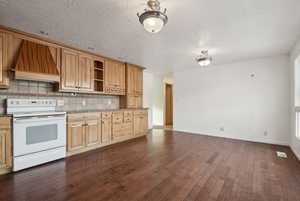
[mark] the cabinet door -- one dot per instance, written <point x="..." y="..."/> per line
<point x="121" y="75"/>
<point x="110" y="71"/>
<point x="144" y="124"/>
<point x="86" y="73"/>
<point x="69" y="70"/>
<point x="138" y="81"/>
<point x="115" y="77"/>
<point x="130" y="79"/>
<point x="5" y="148"/>
<point x="106" y="129"/>
<point x="3" y="61"/>
<point x="92" y="132"/>
<point x="137" y="125"/>
<point x="116" y="131"/>
<point x="76" y="135"/>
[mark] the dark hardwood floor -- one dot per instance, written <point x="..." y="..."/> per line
<point x="164" y="166"/>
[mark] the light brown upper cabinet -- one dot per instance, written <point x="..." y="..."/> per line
<point x="74" y="70"/>
<point x="139" y="81"/>
<point x="77" y="71"/>
<point x="114" y="80"/>
<point x="86" y="73"/>
<point x="4" y="81"/>
<point x="69" y="70"/>
<point x="134" y="86"/>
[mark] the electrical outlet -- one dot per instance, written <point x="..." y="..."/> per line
<point x="281" y="154"/>
<point x="109" y="102"/>
<point x="83" y="103"/>
<point x="266" y="133"/>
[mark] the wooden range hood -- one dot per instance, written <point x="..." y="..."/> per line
<point x="35" y="62"/>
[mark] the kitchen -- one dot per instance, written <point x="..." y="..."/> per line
<point x="57" y="101"/>
<point x="149" y="100"/>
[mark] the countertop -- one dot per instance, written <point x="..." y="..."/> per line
<point x="5" y="115"/>
<point x="103" y="110"/>
<point x="87" y="111"/>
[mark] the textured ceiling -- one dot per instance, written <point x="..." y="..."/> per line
<point x="231" y="30"/>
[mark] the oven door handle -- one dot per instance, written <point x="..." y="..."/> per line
<point x="39" y="118"/>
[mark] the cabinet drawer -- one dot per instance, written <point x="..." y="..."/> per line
<point x="128" y="119"/>
<point x="117" y="117"/>
<point x="5" y="122"/>
<point x="92" y="115"/>
<point x="106" y="115"/>
<point x="140" y="112"/>
<point x="127" y="113"/>
<point x="75" y="117"/>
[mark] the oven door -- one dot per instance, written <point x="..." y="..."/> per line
<point x="35" y="134"/>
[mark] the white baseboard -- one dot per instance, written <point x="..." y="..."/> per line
<point x="266" y="141"/>
<point x="297" y="153"/>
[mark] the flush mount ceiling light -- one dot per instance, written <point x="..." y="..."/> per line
<point x="153" y="19"/>
<point x="204" y="59"/>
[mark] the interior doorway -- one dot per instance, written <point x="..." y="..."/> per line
<point x="169" y="105"/>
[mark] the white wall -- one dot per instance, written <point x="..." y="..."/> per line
<point x="153" y="98"/>
<point x="294" y="61"/>
<point x="207" y="99"/>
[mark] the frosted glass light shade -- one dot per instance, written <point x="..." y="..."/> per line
<point x="204" y="62"/>
<point x="153" y="24"/>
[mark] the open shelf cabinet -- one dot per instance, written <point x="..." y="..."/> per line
<point x="99" y="75"/>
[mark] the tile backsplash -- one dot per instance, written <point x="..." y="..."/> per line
<point x="43" y="90"/>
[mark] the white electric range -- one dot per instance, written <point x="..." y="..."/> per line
<point x="39" y="132"/>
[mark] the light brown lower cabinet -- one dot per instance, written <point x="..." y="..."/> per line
<point x="5" y="143"/>
<point x="140" y="123"/>
<point x="106" y="127"/>
<point x="122" y="127"/>
<point x="84" y="130"/>
<point x="103" y="128"/>
<point x="76" y="135"/>
<point x="92" y="132"/>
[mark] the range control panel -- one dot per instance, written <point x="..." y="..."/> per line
<point x="31" y="103"/>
